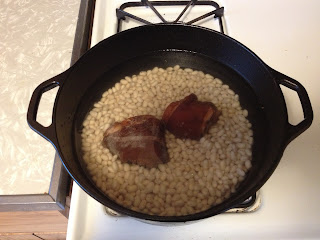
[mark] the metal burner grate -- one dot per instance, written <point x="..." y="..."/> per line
<point x="217" y="12"/>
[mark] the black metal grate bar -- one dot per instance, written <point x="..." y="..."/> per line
<point x="184" y="10"/>
<point x="217" y="13"/>
<point x="154" y="10"/>
<point x="122" y="14"/>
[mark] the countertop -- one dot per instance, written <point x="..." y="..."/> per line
<point x="36" y="39"/>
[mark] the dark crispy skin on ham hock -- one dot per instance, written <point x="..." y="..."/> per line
<point x="138" y="140"/>
<point x="190" y="118"/>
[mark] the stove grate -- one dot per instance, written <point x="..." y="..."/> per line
<point x="122" y="14"/>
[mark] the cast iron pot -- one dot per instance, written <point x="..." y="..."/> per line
<point x="143" y="48"/>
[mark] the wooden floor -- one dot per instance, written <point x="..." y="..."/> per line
<point x="51" y="225"/>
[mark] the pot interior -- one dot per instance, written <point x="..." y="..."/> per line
<point x="195" y="61"/>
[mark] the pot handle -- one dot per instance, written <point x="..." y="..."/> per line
<point x="295" y="130"/>
<point x="46" y="132"/>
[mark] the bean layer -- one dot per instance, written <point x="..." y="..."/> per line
<point x="200" y="174"/>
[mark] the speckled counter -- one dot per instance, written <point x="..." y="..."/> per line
<point x="36" y="39"/>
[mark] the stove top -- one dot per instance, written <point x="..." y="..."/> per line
<point x="287" y="42"/>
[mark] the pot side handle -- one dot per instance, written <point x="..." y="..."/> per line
<point x="46" y="132"/>
<point x="295" y="130"/>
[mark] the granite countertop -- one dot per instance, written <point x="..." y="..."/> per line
<point x="36" y="39"/>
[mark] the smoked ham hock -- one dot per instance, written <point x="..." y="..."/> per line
<point x="190" y="118"/>
<point x="138" y="140"/>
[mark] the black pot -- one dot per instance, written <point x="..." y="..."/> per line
<point x="142" y="48"/>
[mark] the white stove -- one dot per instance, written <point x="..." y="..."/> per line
<point x="286" y="36"/>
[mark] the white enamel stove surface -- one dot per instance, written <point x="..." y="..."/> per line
<point x="286" y="35"/>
